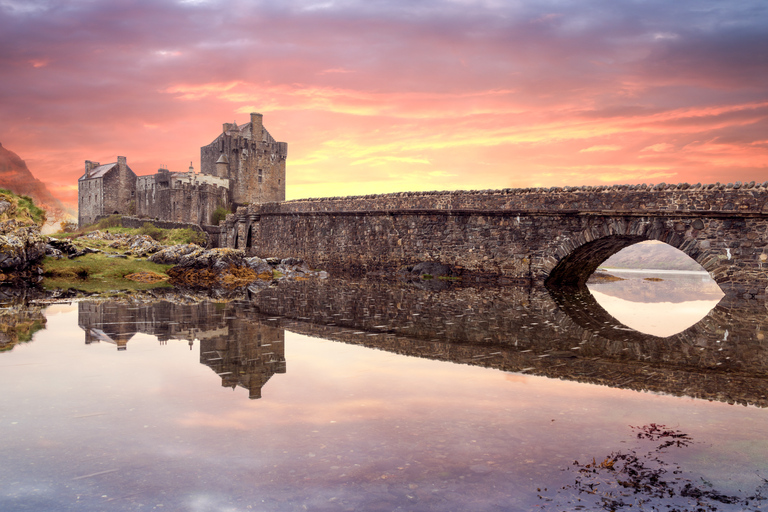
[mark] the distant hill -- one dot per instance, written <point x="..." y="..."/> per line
<point x="651" y="255"/>
<point x="16" y="177"/>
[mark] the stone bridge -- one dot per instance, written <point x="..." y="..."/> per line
<point x="557" y="235"/>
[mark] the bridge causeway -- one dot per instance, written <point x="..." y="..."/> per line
<point x="554" y="235"/>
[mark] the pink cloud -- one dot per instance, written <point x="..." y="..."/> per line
<point x="376" y="97"/>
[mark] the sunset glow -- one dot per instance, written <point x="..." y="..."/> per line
<point x="377" y="97"/>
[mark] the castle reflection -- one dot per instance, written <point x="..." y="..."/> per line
<point x="723" y="357"/>
<point x="242" y="350"/>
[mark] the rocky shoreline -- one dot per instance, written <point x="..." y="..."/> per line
<point x="22" y="246"/>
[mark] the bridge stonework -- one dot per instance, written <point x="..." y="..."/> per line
<point x="558" y="235"/>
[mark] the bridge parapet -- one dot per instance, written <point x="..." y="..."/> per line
<point x="736" y="197"/>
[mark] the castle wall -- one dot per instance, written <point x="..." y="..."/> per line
<point x="120" y="189"/>
<point x="180" y="197"/>
<point x="90" y="199"/>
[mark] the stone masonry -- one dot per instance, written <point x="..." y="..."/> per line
<point x="558" y="235"/>
<point x="251" y="159"/>
<point x="105" y="189"/>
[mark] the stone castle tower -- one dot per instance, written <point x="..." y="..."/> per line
<point x="243" y="165"/>
<point x="104" y="190"/>
<point x="251" y="159"/>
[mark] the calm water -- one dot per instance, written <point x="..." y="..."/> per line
<point x="336" y="396"/>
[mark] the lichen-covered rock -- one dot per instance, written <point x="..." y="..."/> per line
<point x="53" y="252"/>
<point x="173" y="254"/>
<point x="217" y="259"/>
<point x="21" y="248"/>
<point x="64" y="245"/>
<point x="259" y="265"/>
<point x="144" y="245"/>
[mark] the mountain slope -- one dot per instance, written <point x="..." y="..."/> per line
<point x="16" y="177"/>
<point x="651" y="255"/>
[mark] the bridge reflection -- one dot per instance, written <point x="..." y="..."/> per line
<point x="569" y="336"/>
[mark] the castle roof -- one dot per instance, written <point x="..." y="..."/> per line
<point x="98" y="172"/>
<point x="222" y="159"/>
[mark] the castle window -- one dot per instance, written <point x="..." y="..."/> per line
<point x="259" y="175"/>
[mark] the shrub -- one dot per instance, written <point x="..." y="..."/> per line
<point x="113" y="221"/>
<point x="185" y="236"/>
<point x="218" y="215"/>
<point x="67" y="226"/>
<point x="152" y="231"/>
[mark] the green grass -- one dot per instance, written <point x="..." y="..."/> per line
<point x="26" y="335"/>
<point x="164" y="236"/>
<point x="97" y="273"/>
<point x="24" y="208"/>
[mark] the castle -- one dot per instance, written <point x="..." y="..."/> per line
<point x="243" y="165"/>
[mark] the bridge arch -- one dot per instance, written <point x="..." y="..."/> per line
<point x="575" y="258"/>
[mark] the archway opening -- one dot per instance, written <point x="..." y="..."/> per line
<point x="654" y="288"/>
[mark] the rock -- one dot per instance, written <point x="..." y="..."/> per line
<point x="53" y="252"/>
<point x="173" y="254"/>
<point x="20" y="249"/>
<point x="64" y="245"/>
<point x="83" y="252"/>
<point x="432" y="268"/>
<point x="144" y="245"/>
<point x="218" y="259"/>
<point x="259" y="265"/>
<point x="293" y="262"/>
<point x="273" y="261"/>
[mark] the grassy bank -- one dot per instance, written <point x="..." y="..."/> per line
<point x="96" y="273"/>
<point x="112" y="224"/>
<point x="22" y="209"/>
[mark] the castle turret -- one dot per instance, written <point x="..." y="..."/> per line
<point x="222" y="166"/>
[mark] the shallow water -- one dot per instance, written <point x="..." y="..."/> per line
<point x="125" y="407"/>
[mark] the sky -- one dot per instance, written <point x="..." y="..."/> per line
<point x="378" y="96"/>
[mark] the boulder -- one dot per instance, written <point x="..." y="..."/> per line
<point x="173" y="254"/>
<point x="432" y="268"/>
<point x="64" y="245"/>
<point x="259" y="265"/>
<point x="20" y="249"/>
<point x="144" y="245"/>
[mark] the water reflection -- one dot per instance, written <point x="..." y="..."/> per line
<point x="243" y="350"/>
<point x="348" y="428"/>
<point x="661" y="303"/>
<point x="569" y="336"/>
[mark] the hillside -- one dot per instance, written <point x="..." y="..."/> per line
<point x="16" y="177"/>
<point x="651" y="255"/>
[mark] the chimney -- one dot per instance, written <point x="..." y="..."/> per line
<point x="257" y="126"/>
<point x="89" y="166"/>
<point x="121" y="165"/>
